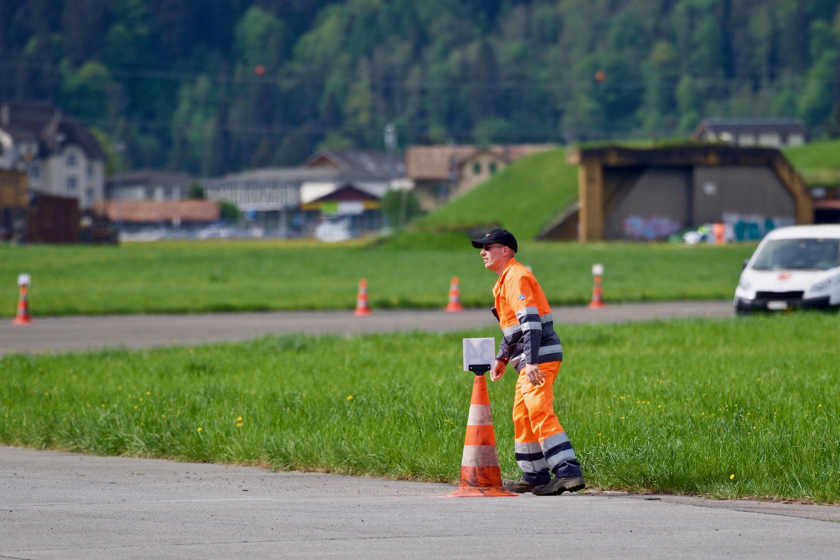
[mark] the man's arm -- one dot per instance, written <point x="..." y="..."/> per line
<point x="525" y="306"/>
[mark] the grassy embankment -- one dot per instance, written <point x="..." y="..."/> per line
<point x="817" y="162"/>
<point x="524" y="197"/>
<point x="734" y="408"/>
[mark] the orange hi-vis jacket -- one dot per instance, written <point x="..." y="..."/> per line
<point x="525" y="319"/>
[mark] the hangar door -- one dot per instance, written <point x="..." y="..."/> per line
<point x="654" y="206"/>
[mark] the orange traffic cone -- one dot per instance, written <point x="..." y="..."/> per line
<point x="23" y="317"/>
<point x="362" y="307"/>
<point x="454" y="304"/>
<point x="597" y="296"/>
<point x="480" y="473"/>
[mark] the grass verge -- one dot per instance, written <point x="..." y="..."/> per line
<point x="410" y="272"/>
<point x="733" y="408"/>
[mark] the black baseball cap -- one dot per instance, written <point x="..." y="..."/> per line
<point x="502" y="236"/>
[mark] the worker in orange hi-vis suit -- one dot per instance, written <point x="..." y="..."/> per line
<point x="531" y="346"/>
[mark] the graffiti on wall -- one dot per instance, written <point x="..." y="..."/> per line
<point x="649" y="227"/>
<point x="753" y="227"/>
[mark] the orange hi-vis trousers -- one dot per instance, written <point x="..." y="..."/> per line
<point x="541" y="444"/>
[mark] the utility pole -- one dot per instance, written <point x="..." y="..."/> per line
<point x="390" y="146"/>
<point x="118" y="148"/>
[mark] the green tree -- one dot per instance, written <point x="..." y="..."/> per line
<point x="400" y="207"/>
<point x="196" y="192"/>
<point x="85" y="92"/>
<point x="229" y="212"/>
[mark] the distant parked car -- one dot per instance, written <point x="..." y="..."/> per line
<point x="792" y="268"/>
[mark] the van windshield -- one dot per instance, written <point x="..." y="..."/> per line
<point x="799" y="254"/>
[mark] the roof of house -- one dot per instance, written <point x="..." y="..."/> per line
<point x="749" y="126"/>
<point x="150" y="177"/>
<point x="155" y="211"/>
<point x="346" y="193"/>
<point x="438" y="162"/>
<point x="286" y="174"/>
<point x="360" y="165"/>
<point x="47" y="125"/>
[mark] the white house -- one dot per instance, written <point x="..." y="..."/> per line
<point x="60" y="156"/>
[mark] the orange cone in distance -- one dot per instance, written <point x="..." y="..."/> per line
<point x="597" y="295"/>
<point x="454" y="304"/>
<point x="362" y="307"/>
<point x="22" y="317"/>
<point x="480" y="473"/>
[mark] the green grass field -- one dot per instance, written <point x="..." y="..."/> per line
<point x="730" y="408"/>
<point x="412" y="271"/>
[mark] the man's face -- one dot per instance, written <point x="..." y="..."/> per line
<point x="492" y="255"/>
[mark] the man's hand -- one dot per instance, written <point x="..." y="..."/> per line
<point x="498" y="370"/>
<point x="534" y="374"/>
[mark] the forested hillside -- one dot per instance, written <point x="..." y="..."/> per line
<point x="217" y="86"/>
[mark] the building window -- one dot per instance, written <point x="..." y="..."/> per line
<point x="90" y="171"/>
<point x="71" y="160"/>
<point x="442" y="190"/>
<point x="477" y="167"/>
<point x="72" y="184"/>
<point x="35" y="171"/>
<point x="492" y="167"/>
<point x="89" y="197"/>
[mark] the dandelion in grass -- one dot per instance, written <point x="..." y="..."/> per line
<point x="349" y="397"/>
<point x="732" y="476"/>
<point x="239" y="419"/>
<point x="200" y="429"/>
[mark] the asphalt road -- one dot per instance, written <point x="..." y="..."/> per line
<point x="61" y="505"/>
<point x="61" y="334"/>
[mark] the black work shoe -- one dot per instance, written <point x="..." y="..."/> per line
<point x="559" y="485"/>
<point x="519" y="486"/>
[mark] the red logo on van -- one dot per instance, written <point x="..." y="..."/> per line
<point x="785" y="276"/>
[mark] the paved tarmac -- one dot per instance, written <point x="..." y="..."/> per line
<point x="61" y="334"/>
<point x="62" y="505"/>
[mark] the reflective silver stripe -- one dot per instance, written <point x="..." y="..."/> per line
<point x="546" y="318"/>
<point x="553" y="349"/>
<point x="516" y="359"/>
<point x="480" y="456"/>
<point x="532" y="447"/>
<point x="562" y="457"/>
<point x="512" y="330"/>
<point x="532" y="326"/>
<point x="553" y="441"/>
<point x="525" y="311"/>
<point x="533" y="466"/>
<point x="479" y="415"/>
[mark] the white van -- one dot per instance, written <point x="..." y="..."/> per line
<point x="793" y="268"/>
